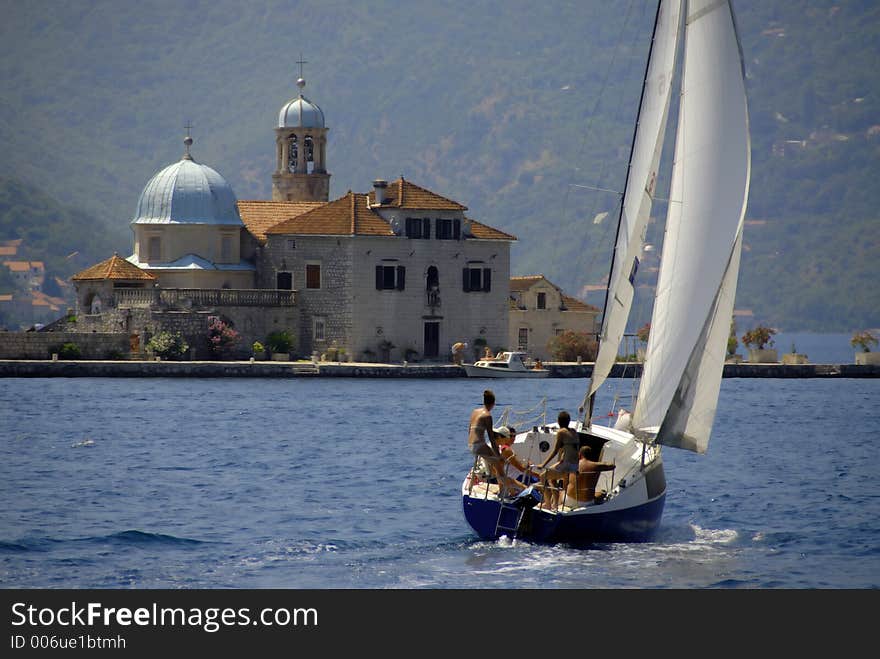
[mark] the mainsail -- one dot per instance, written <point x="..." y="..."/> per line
<point x="701" y="249"/>
<point x="640" y="184"/>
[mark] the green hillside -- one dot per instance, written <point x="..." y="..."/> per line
<point x="505" y="106"/>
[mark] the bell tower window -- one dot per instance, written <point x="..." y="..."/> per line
<point x="309" y="146"/>
<point x="291" y="153"/>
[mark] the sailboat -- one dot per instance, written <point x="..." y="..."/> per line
<point x="681" y="377"/>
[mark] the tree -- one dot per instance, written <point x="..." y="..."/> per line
<point x="759" y="337"/>
<point x="569" y="345"/>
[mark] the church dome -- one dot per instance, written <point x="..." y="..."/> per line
<point x="300" y="112"/>
<point x="187" y="192"/>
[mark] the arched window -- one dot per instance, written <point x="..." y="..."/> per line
<point x="432" y="279"/>
<point x="432" y="287"/>
<point x="309" y="146"/>
<point x="292" y="153"/>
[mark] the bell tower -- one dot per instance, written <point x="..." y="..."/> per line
<point x="301" y="151"/>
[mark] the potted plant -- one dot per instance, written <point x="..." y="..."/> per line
<point x="280" y="344"/>
<point x="794" y="357"/>
<point x="222" y="339"/>
<point x="759" y="341"/>
<point x="863" y="341"/>
<point x="732" y="344"/>
<point x="166" y="345"/>
<point x="259" y="350"/>
<point x="385" y="348"/>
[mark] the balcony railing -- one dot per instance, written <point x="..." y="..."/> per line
<point x="204" y="297"/>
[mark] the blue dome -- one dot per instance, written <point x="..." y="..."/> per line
<point x="300" y="113"/>
<point x="187" y="192"/>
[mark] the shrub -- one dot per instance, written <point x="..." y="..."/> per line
<point x="258" y="347"/>
<point x="569" y="345"/>
<point x="644" y="332"/>
<point x="759" y="337"/>
<point x="222" y="339"/>
<point x="279" y="342"/>
<point x="167" y="345"/>
<point x="863" y="340"/>
<point x="732" y="343"/>
<point x="67" y="350"/>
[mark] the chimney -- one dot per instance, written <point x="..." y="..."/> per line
<point x="379" y="187"/>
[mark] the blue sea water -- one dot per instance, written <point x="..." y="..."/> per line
<point x="354" y="483"/>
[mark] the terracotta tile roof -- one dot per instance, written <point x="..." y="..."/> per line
<point x="403" y="194"/>
<point x="524" y="283"/>
<point x="573" y="304"/>
<point x="485" y="232"/>
<point x="258" y="216"/>
<point x="6" y="298"/>
<point x="18" y="266"/>
<point x="115" y="267"/>
<point x="8" y="250"/>
<point x="346" y="216"/>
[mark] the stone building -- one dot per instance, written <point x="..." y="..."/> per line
<point x="539" y="310"/>
<point x="394" y="273"/>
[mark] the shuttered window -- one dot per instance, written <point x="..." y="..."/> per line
<point x="390" y="277"/>
<point x="476" y="280"/>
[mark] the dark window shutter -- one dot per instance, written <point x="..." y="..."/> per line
<point x="437" y="230"/>
<point x="379" y="277"/>
<point x="426" y="232"/>
<point x="409" y="227"/>
<point x="466" y="280"/>
<point x="487" y="279"/>
<point x="401" y="277"/>
<point x="456" y="229"/>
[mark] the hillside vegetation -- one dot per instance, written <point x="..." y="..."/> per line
<point x="505" y="106"/>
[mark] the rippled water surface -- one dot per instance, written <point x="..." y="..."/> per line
<point x="354" y="483"/>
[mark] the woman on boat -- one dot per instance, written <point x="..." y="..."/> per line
<point x="567" y="443"/>
<point x="483" y="441"/>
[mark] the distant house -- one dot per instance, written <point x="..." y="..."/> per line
<point x="28" y="275"/>
<point x="539" y="310"/>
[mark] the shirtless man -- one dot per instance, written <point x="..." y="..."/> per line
<point x="483" y="441"/>
<point x="582" y="488"/>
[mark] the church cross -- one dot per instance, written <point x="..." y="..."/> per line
<point x="301" y="61"/>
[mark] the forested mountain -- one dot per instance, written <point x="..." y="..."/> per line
<point x="507" y="106"/>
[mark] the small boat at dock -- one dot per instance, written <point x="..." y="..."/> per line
<point x="505" y="365"/>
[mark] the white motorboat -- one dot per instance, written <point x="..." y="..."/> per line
<point x="505" y="365"/>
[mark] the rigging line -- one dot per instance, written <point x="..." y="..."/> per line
<point x="625" y="185"/>
<point x="599" y="96"/>
<point x="593" y="187"/>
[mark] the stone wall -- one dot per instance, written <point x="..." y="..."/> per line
<point x="40" y="345"/>
<point x="359" y="317"/>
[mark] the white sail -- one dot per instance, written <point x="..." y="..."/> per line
<point x="701" y="248"/>
<point x="640" y="184"/>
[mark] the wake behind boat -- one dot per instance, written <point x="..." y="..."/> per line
<point x="693" y="305"/>
<point x="505" y="365"/>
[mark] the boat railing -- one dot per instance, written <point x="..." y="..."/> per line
<point x="534" y="416"/>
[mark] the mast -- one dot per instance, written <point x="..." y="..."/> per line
<point x="592" y="395"/>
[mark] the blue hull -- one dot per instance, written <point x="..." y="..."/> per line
<point x="635" y="524"/>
